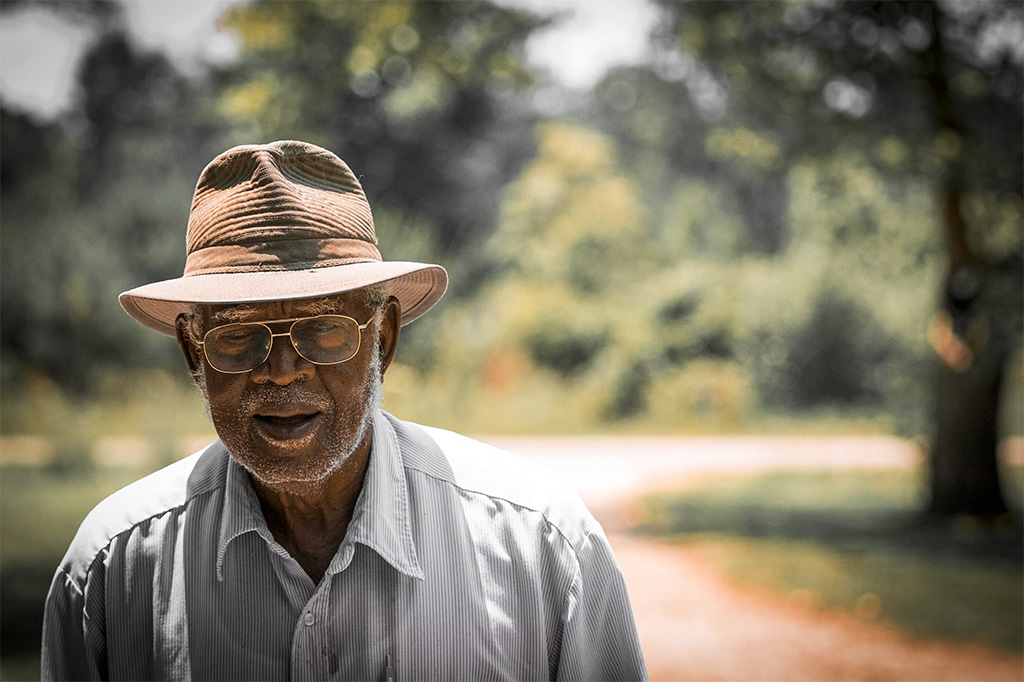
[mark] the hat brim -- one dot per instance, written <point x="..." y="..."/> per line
<point x="417" y="286"/>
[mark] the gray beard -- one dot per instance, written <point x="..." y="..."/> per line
<point x="308" y="476"/>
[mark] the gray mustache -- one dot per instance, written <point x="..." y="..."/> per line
<point x="261" y="395"/>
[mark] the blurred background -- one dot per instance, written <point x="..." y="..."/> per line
<point x="748" y="274"/>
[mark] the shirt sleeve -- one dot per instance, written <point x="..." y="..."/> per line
<point x="599" y="640"/>
<point x="70" y="646"/>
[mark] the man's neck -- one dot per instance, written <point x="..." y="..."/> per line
<point x="311" y="522"/>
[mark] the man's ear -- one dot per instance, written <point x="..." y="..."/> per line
<point x="189" y="349"/>
<point x="389" y="329"/>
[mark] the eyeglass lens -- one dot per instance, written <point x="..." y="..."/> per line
<point x="325" y="339"/>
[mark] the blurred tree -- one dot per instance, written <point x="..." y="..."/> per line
<point x="669" y="129"/>
<point x="92" y="205"/>
<point x="572" y="243"/>
<point x="572" y="216"/>
<point x="930" y="90"/>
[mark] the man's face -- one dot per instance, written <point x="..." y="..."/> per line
<point x="289" y="422"/>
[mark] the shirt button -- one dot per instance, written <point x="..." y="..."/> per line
<point x="308" y="620"/>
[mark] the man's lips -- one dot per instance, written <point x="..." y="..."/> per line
<point x="286" y="423"/>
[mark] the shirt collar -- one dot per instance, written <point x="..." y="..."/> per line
<point x="380" y="521"/>
<point x="242" y="512"/>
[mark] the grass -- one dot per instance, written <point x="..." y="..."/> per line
<point x="40" y="510"/>
<point x="152" y="405"/>
<point x="948" y="597"/>
<point x="854" y="541"/>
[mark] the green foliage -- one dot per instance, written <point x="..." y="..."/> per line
<point x="838" y="356"/>
<point x="700" y="220"/>
<point x="566" y="351"/>
<point x="90" y="208"/>
<point x="629" y="393"/>
<point x="674" y="325"/>
<point x="572" y="216"/>
<point x="572" y="239"/>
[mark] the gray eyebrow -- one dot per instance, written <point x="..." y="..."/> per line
<point x="233" y="314"/>
<point x="244" y="312"/>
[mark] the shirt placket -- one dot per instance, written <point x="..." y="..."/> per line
<point x="314" y="656"/>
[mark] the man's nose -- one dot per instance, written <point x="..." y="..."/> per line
<point x="284" y="365"/>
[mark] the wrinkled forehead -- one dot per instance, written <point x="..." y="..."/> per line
<point x="346" y="303"/>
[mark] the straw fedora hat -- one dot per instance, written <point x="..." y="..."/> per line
<point x="279" y="221"/>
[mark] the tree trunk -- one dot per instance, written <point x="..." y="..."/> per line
<point x="964" y="464"/>
<point x="974" y="353"/>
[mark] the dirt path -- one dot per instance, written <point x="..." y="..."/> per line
<point x="694" y="625"/>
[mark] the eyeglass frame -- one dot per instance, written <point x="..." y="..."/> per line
<point x="270" y="348"/>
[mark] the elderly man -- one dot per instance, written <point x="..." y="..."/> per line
<point x="320" y="537"/>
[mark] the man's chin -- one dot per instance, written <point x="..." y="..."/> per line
<point x="293" y="480"/>
<point x="289" y="470"/>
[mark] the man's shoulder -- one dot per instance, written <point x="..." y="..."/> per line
<point x="474" y="467"/>
<point x="163" y="491"/>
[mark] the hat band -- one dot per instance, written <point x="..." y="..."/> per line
<point x="294" y="254"/>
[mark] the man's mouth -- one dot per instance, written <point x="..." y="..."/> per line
<point x="286" y="424"/>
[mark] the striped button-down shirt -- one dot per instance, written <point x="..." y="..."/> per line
<point x="461" y="562"/>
